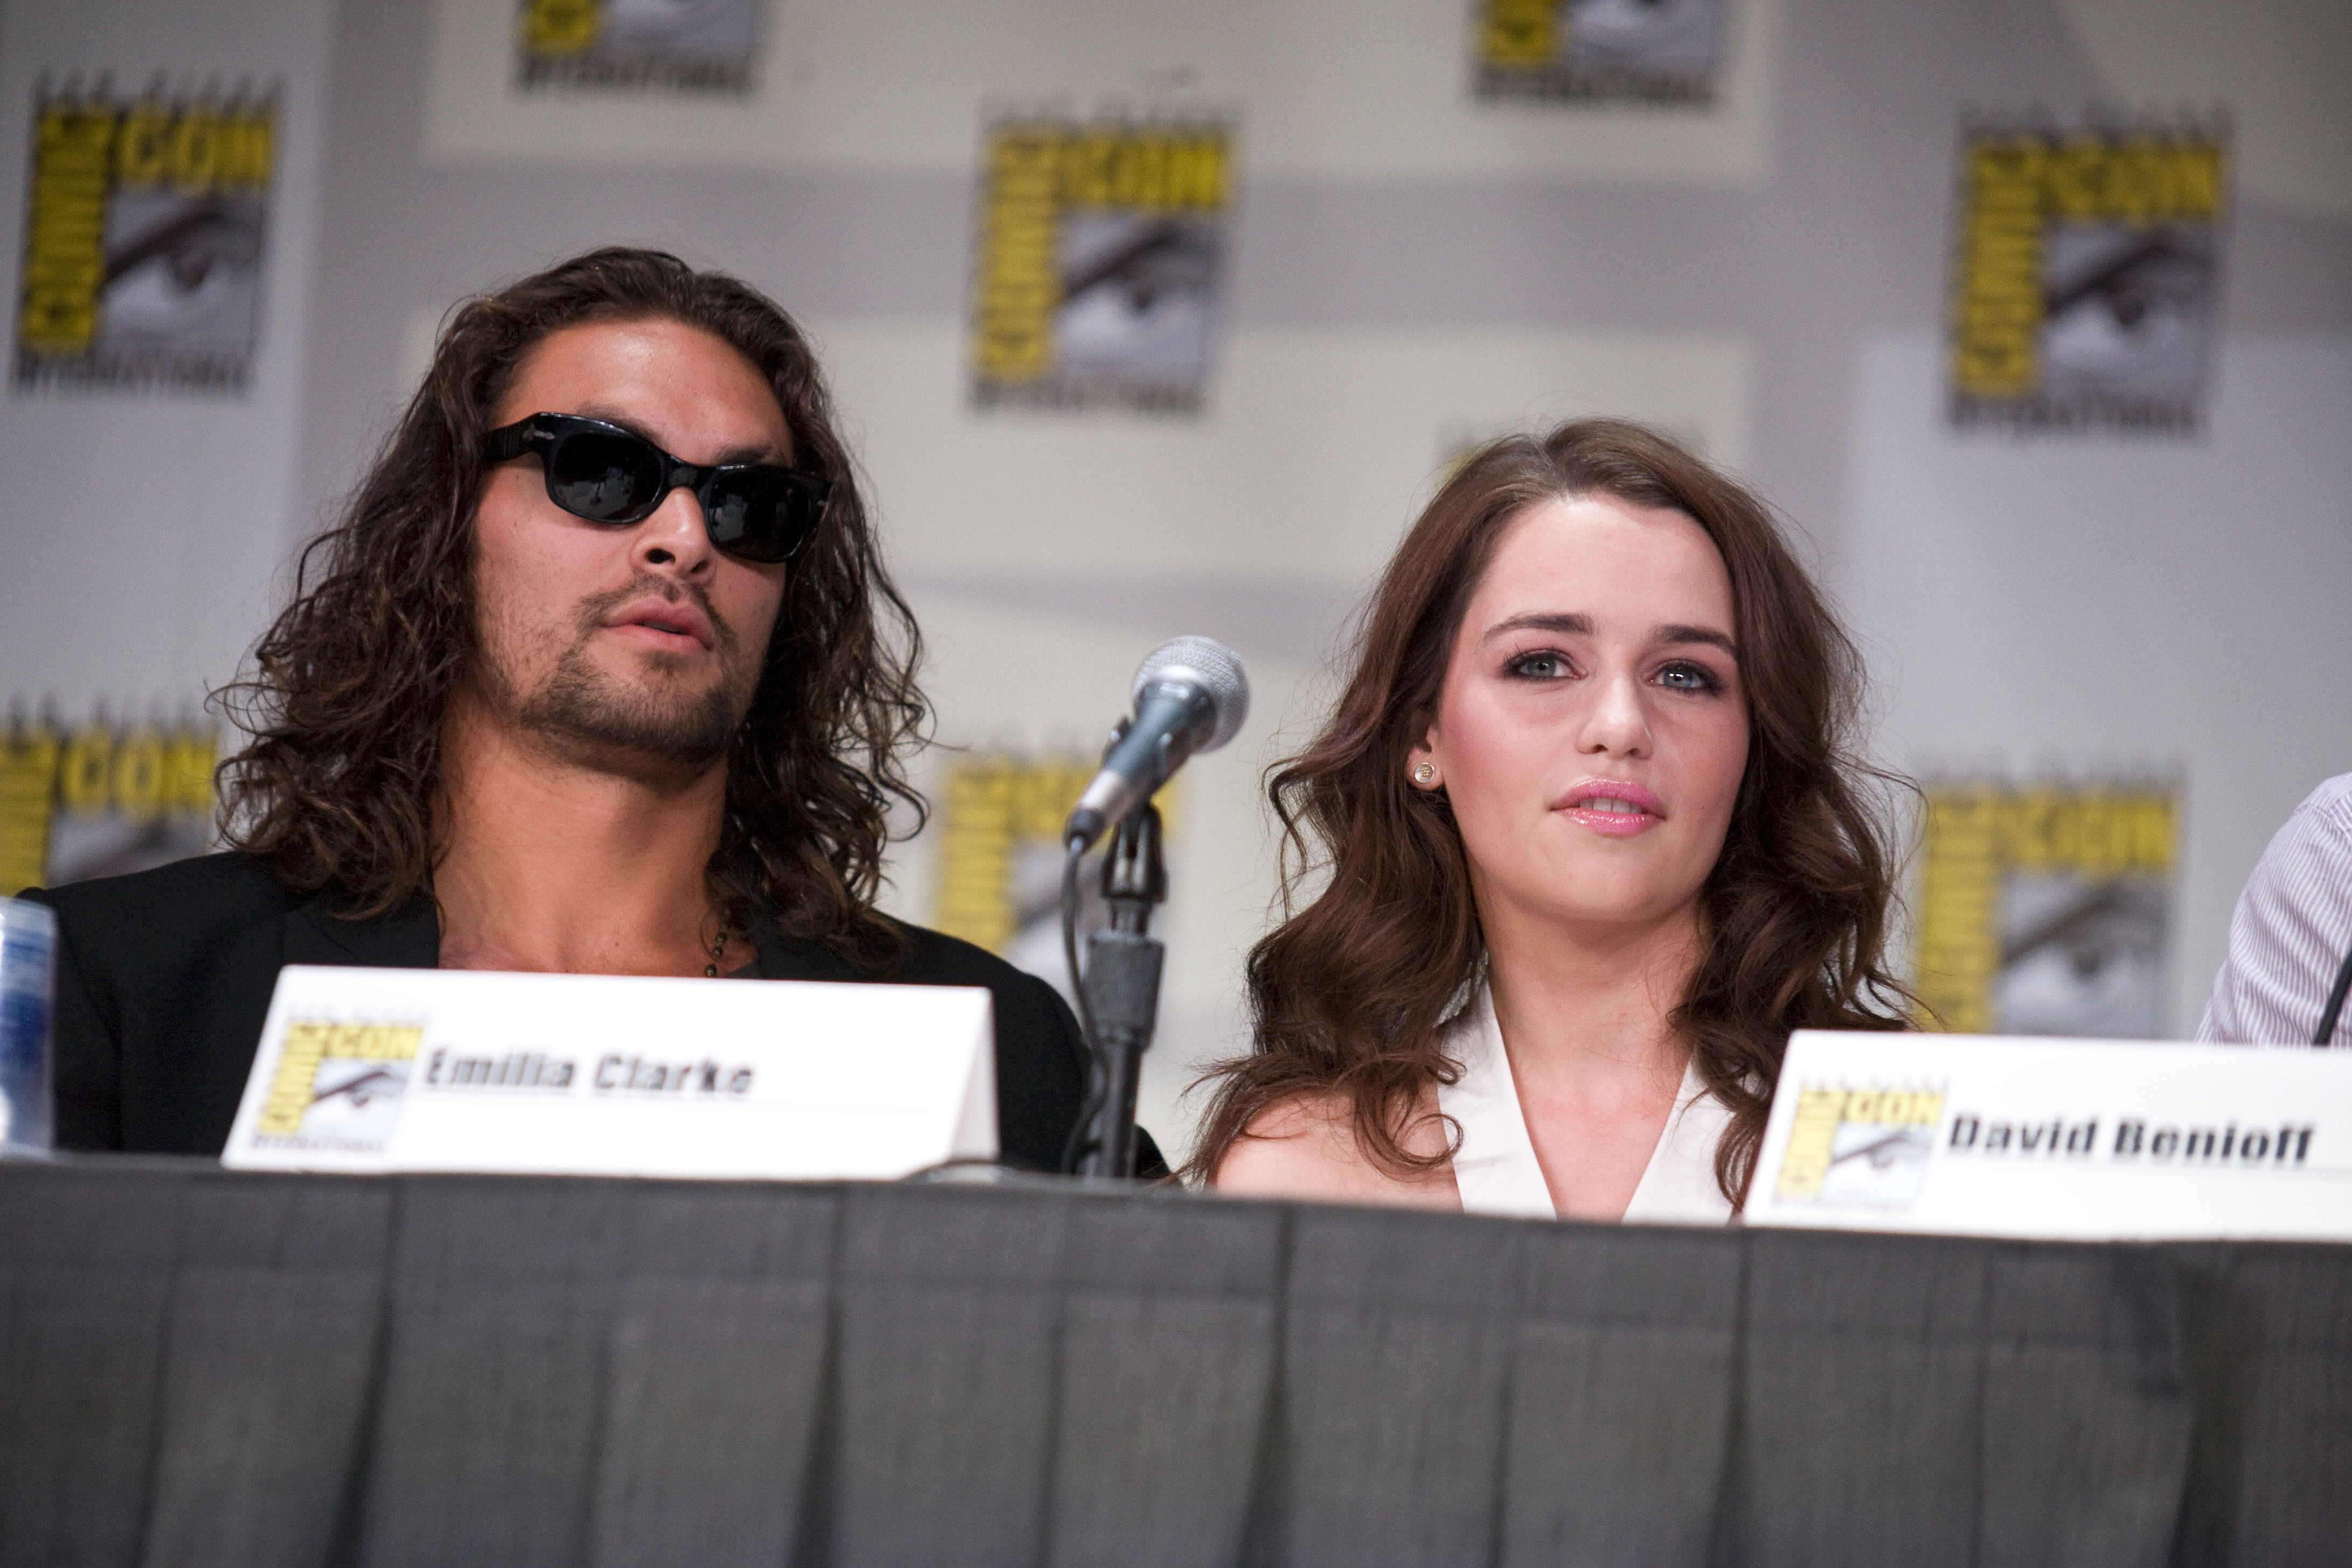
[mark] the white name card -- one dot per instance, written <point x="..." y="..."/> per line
<point x="423" y="1069"/>
<point x="2067" y="1140"/>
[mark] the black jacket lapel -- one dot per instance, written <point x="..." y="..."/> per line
<point x="408" y="938"/>
<point x="783" y="957"/>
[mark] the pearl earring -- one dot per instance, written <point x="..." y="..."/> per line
<point x="1425" y="775"/>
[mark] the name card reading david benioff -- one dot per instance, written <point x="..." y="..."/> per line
<point x="2135" y="1141"/>
<point x="2082" y="1140"/>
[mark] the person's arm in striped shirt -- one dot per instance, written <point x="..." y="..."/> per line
<point x="2291" y="931"/>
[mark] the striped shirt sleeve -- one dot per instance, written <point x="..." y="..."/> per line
<point x="2293" y="926"/>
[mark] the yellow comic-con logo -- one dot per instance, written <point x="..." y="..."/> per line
<point x="2087" y="288"/>
<point x="145" y="220"/>
<point x="1654" y="51"/>
<point x="1099" y="258"/>
<point x="339" y="1084"/>
<point x="638" y="46"/>
<point x="1860" y="1146"/>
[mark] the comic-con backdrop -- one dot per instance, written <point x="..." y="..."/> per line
<point x="998" y="876"/>
<point x="1098" y="260"/>
<point x="2046" y="907"/>
<point x="101" y="795"/>
<point x="680" y="46"/>
<point x="2089" y="263"/>
<point x="1657" y="51"/>
<point x="145" y="219"/>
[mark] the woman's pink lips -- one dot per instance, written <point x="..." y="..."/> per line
<point x="1650" y="810"/>
<point x="1613" y="824"/>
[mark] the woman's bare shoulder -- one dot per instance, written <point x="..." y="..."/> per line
<point x="1306" y="1148"/>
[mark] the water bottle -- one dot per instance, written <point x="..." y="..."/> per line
<point x="29" y="946"/>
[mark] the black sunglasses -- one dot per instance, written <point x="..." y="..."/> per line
<point x="605" y="474"/>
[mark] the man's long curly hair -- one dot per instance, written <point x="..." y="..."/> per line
<point x="1349" y="992"/>
<point x="337" y="792"/>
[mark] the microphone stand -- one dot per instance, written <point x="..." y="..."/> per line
<point x="1122" y="991"/>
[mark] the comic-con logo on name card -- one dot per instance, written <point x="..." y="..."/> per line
<point x="338" y="1086"/>
<point x="674" y="45"/>
<point x="2087" y="277"/>
<point x="145" y="220"/>
<point x="1860" y="1147"/>
<point x="1101" y="248"/>
<point x="1644" y="51"/>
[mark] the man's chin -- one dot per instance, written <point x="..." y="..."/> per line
<point x="633" y="726"/>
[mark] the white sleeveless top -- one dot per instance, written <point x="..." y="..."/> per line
<point x="1495" y="1166"/>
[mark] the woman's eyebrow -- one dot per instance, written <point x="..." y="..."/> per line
<point x="1563" y="622"/>
<point x="1707" y="634"/>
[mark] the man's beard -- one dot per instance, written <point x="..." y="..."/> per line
<point x="586" y="711"/>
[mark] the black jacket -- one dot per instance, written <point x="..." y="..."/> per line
<point x="164" y="977"/>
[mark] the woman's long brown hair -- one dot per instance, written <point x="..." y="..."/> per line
<point x="337" y="792"/>
<point x="1348" y="993"/>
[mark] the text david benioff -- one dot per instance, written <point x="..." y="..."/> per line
<point x="2136" y="1140"/>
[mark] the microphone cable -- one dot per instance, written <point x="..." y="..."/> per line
<point x="1080" y="1144"/>
<point x="2335" y="1001"/>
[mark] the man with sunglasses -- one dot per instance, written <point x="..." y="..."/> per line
<point x="601" y="673"/>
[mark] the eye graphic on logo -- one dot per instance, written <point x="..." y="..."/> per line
<point x="370" y="1085"/>
<point x="659" y="13"/>
<point x="183" y="266"/>
<point x="1136" y="293"/>
<point x="1641" y="32"/>
<point x="354" y="1100"/>
<point x="1885" y="1154"/>
<point x="2125" y="305"/>
<point x="691" y="27"/>
<point x="2081" y="957"/>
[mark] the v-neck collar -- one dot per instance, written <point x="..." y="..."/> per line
<point x="1496" y="1168"/>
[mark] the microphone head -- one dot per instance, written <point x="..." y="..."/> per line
<point x="1213" y="667"/>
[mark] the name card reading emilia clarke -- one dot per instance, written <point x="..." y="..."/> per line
<point x="420" y="1069"/>
<point x="2067" y="1140"/>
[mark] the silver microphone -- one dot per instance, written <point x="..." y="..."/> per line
<point x="1191" y="696"/>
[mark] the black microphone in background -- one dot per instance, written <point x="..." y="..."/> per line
<point x="1191" y="696"/>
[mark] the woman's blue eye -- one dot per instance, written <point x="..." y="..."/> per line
<point x="1539" y="665"/>
<point x="1689" y="678"/>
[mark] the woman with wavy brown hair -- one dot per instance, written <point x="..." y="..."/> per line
<point x="1582" y="843"/>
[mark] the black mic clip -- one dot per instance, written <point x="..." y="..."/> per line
<point x="1122" y="992"/>
<point x="1134" y="876"/>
